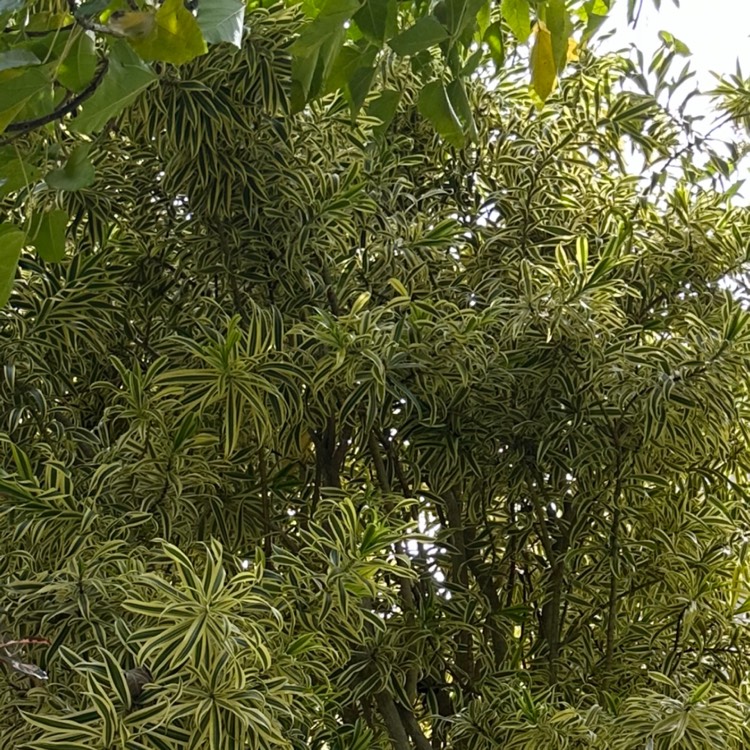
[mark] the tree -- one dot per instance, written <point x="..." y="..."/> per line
<point x="68" y="67"/>
<point x="336" y="434"/>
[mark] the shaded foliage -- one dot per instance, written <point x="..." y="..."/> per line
<point x="334" y="435"/>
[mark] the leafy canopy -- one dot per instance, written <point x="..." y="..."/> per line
<point x="322" y="433"/>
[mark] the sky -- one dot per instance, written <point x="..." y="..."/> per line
<point x="716" y="31"/>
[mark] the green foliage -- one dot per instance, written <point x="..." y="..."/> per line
<point x="12" y="240"/>
<point x="47" y="234"/>
<point x="77" y="173"/>
<point x="127" y="75"/>
<point x="175" y="37"/>
<point x="344" y="433"/>
<point x="222" y="21"/>
<point x="517" y="15"/>
<point x="78" y="65"/>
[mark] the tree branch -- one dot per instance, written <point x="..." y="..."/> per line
<point x="25" y="126"/>
<point x="414" y="730"/>
<point x="87" y="23"/>
<point x="394" y="725"/>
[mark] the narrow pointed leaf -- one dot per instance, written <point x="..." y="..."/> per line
<point x="543" y="67"/>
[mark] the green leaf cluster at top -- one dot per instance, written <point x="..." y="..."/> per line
<point x="52" y="62"/>
<point x="74" y="68"/>
<point x="69" y="72"/>
<point x="349" y="44"/>
<point x="284" y="345"/>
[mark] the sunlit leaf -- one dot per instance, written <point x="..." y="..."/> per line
<point x="560" y="27"/>
<point x="175" y="37"/>
<point x="543" y="65"/>
<point x="517" y="15"/>
<point x="493" y="37"/>
<point x="77" y="68"/>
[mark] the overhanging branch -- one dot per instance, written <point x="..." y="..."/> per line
<point x="26" y="126"/>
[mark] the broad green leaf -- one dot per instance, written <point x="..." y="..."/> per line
<point x="17" y="87"/>
<point x="47" y="21"/>
<point x="461" y="105"/>
<point x="595" y="13"/>
<point x="14" y="172"/>
<point x="425" y="33"/>
<point x="93" y="7"/>
<point x="127" y="76"/>
<point x="327" y="54"/>
<point x="311" y="71"/>
<point x="48" y="47"/>
<point x="348" y="60"/>
<point x="461" y="15"/>
<point x="77" y="173"/>
<point x="38" y="105"/>
<point x="79" y="66"/>
<point x="359" y="87"/>
<point x="377" y="19"/>
<point x="303" y="72"/>
<point x="47" y="234"/>
<point x="435" y="105"/>
<point x="560" y="27"/>
<point x="175" y="38"/>
<point x="493" y="37"/>
<point x="222" y="21"/>
<point x="517" y="15"/>
<point x="484" y="18"/>
<point x="384" y="108"/>
<point x="472" y="63"/>
<point x="328" y="23"/>
<point x="543" y="67"/>
<point x="12" y="240"/>
<point x="18" y="58"/>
